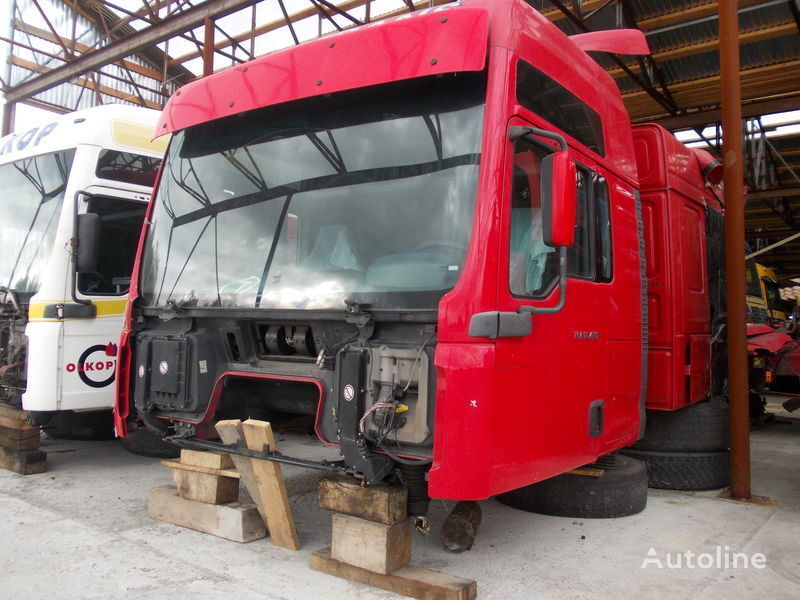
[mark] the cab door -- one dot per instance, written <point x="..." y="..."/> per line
<point x="555" y="382"/>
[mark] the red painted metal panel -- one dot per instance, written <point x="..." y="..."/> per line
<point x="439" y="41"/>
<point x="675" y="201"/>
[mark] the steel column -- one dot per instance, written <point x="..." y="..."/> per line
<point x="734" y="248"/>
<point x="208" y="47"/>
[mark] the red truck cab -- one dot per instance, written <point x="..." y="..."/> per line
<point x="364" y="242"/>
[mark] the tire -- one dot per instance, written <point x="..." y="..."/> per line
<point x="70" y="425"/>
<point x="146" y="443"/>
<point x="620" y="492"/>
<point x="702" y="427"/>
<point x="684" y="470"/>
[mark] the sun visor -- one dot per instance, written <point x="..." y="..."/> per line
<point x="616" y="41"/>
<point x="443" y="40"/>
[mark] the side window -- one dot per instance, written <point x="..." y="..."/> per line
<point x="127" y="167"/>
<point x="580" y="255"/>
<point x="120" y="224"/>
<point x="533" y="265"/>
<point x="590" y="256"/>
<point x="604" y="271"/>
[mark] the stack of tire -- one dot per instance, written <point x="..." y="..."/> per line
<point x="686" y="449"/>
<point x="619" y="491"/>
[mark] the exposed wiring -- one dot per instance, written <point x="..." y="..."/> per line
<point x="369" y="411"/>
<point x="417" y="361"/>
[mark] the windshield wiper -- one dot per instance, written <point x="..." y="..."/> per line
<point x="275" y="239"/>
<point x="334" y="157"/>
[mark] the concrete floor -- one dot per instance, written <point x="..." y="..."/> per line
<point x="80" y="530"/>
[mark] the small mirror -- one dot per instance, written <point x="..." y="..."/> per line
<point x="88" y="242"/>
<point x="559" y="199"/>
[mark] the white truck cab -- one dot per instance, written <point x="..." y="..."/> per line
<point x="74" y="194"/>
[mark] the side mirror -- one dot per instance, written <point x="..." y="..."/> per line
<point x="559" y="199"/>
<point x="88" y="242"/>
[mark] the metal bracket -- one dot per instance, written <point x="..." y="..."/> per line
<point x="265" y="454"/>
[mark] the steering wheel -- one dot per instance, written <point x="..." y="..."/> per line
<point x="447" y="247"/>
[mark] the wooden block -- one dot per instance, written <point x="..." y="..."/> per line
<point x="382" y="503"/>
<point x="369" y="545"/>
<point x="236" y="522"/>
<point x="174" y="464"/>
<point x="408" y="581"/>
<point x="271" y="486"/>
<point x="19" y="439"/>
<point x="205" y="487"/>
<point x="586" y="472"/>
<point x="207" y="459"/>
<point x="14" y="418"/>
<point x="230" y="432"/>
<point x="24" y="462"/>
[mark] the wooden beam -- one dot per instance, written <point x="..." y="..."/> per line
<point x="294" y="18"/>
<point x="87" y="83"/>
<point x="688" y="14"/>
<point x="758" y="82"/>
<point x="587" y="7"/>
<point x="271" y="485"/>
<point x="712" y="45"/>
<point x="752" y="109"/>
<point x="777" y="193"/>
<point x="46" y="35"/>
<point x="164" y="29"/>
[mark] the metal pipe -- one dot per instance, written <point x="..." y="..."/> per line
<point x="208" y="47"/>
<point x="734" y="248"/>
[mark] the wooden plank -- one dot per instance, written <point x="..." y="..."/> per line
<point x="230" y="432"/>
<point x="14" y="418"/>
<point x="373" y="546"/>
<point x="381" y="503"/>
<point x="24" y="462"/>
<point x="409" y="581"/>
<point x="19" y="439"/>
<point x="271" y="486"/>
<point x="207" y="459"/>
<point x="712" y="45"/>
<point x="687" y="14"/>
<point x="206" y="487"/>
<point x="174" y="464"/>
<point x="236" y="522"/>
<point x="587" y="472"/>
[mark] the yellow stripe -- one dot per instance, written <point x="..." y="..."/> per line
<point x="105" y="308"/>
<point x="134" y="135"/>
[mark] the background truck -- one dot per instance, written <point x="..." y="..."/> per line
<point x="450" y="262"/>
<point x="76" y="185"/>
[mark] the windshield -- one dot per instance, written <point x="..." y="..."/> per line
<point x="33" y="191"/>
<point x="753" y="281"/>
<point x="773" y="291"/>
<point x="367" y="195"/>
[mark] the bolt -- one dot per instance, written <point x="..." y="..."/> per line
<point x="443" y="20"/>
<point x="434" y="61"/>
<point x="331" y="45"/>
<point x="230" y="103"/>
<point x="319" y="81"/>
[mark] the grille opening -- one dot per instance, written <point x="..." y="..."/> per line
<point x="285" y="404"/>
<point x="233" y="346"/>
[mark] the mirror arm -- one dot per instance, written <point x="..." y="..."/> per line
<point x="73" y="289"/>
<point x="515" y="132"/>
<point x="562" y="284"/>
